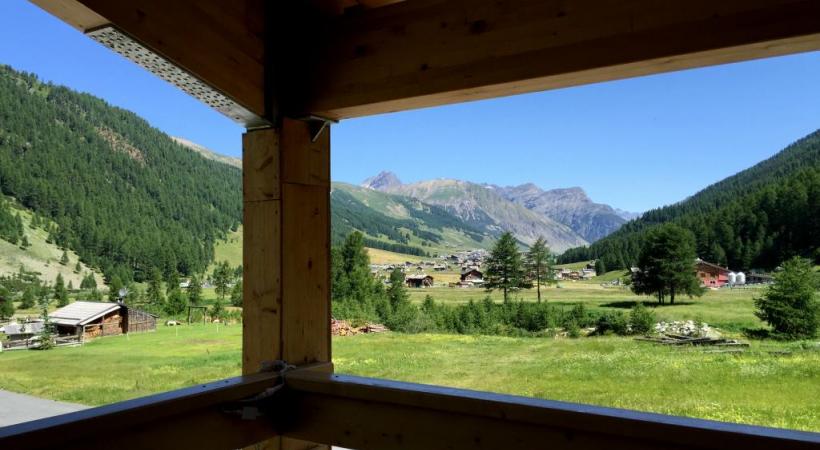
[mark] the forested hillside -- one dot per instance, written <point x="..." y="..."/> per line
<point x="398" y="223"/>
<point x="119" y="192"/>
<point x="754" y="219"/>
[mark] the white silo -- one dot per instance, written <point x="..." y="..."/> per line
<point x="740" y="278"/>
<point x="732" y="277"/>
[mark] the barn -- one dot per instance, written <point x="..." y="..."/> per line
<point x="418" y="280"/>
<point x="95" y="319"/>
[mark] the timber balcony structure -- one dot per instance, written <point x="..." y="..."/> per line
<point x="286" y="69"/>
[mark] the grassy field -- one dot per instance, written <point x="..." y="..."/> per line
<point x="731" y="309"/>
<point x="611" y="371"/>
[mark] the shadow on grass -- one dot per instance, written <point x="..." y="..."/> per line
<point x="758" y="333"/>
<point x="629" y="304"/>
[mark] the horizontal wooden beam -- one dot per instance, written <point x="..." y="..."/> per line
<point x="187" y="418"/>
<point x="422" y="53"/>
<point x="366" y="414"/>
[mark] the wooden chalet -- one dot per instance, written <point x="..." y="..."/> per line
<point x="418" y="280"/>
<point x="711" y="275"/>
<point x="471" y="275"/>
<point x="287" y="70"/>
<point x="89" y="320"/>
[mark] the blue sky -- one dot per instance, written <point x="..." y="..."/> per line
<point x="634" y="144"/>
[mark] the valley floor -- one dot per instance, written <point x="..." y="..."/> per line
<point x="773" y="384"/>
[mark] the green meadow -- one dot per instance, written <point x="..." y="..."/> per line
<point x="772" y="383"/>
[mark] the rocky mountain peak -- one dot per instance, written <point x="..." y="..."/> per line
<point x="384" y="181"/>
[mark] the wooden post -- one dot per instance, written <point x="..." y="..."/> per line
<point x="286" y="313"/>
<point x="286" y="246"/>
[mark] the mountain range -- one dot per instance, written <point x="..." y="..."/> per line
<point x="564" y="217"/>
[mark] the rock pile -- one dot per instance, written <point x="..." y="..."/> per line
<point x="687" y="328"/>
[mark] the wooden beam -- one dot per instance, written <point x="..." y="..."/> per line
<point x="193" y="417"/>
<point x="422" y="53"/>
<point x="366" y="413"/>
<point x="286" y="313"/>
<point x="286" y="188"/>
<point x="220" y="42"/>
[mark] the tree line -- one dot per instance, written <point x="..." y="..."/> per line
<point x="757" y="218"/>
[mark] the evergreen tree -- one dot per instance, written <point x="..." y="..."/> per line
<point x="64" y="258"/>
<point x="195" y="290"/>
<point x="114" y="288"/>
<point x="29" y="298"/>
<point x="46" y="336"/>
<point x="155" y="295"/>
<point x="790" y="305"/>
<point x="6" y="303"/>
<point x="95" y="295"/>
<point x="70" y="286"/>
<point x="24" y="243"/>
<point x="504" y="269"/>
<point x="88" y="282"/>
<point x="217" y="311"/>
<point x="172" y="282"/>
<point x="600" y="267"/>
<point x="222" y="278"/>
<point x="539" y="264"/>
<point x="236" y="294"/>
<point x="666" y="264"/>
<point x="401" y="311"/>
<point x="176" y="302"/>
<point x="77" y="267"/>
<point x="60" y="293"/>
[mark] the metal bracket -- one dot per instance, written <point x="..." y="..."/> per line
<point x="317" y="125"/>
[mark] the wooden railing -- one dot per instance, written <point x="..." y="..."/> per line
<point x="365" y="413"/>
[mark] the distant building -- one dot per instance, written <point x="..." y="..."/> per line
<point x="711" y="275"/>
<point x="472" y="274"/>
<point x="94" y="319"/>
<point x="418" y="280"/>
<point x="21" y="331"/>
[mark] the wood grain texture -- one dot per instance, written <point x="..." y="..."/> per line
<point x="262" y="285"/>
<point x="303" y="161"/>
<point x="424" y="53"/>
<point x="306" y="273"/>
<point x="366" y="413"/>
<point x="73" y="13"/>
<point x="260" y="165"/>
<point x="221" y="42"/>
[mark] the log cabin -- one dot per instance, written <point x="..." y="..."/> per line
<point x="288" y="70"/>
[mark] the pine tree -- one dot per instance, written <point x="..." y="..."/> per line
<point x="176" y="302"/>
<point x="64" y="258"/>
<point x="195" y="290"/>
<point x="6" y="303"/>
<point x="114" y="287"/>
<point x="60" y="293"/>
<point x="172" y="282"/>
<point x="600" y="267"/>
<point x="401" y="311"/>
<point x="539" y="264"/>
<point x="666" y="264"/>
<point x="77" y="267"/>
<point x="790" y="305"/>
<point x="237" y="294"/>
<point x="505" y="270"/>
<point x="154" y="293"/>
<point x="24" y="243"/>
<point x="217" y="310"/>
<point x="28" y="299"/>
<point x="222" y="278"/>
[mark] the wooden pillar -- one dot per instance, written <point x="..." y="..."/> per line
<point x="286" y="259"/>
<point x="286" y="183"/>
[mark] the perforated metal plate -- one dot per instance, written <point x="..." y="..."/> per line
<point x="121" y="43"/>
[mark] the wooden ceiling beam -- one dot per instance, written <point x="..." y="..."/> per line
<point x="422" y="53"/>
